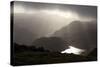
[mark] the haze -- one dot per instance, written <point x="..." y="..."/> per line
<point x="35" y="20"/>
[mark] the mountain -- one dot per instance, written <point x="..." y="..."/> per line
<point x="79" y="34"/>
<point x="54" y="44"/>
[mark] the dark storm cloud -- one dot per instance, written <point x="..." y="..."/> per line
<point x="87" y="11"/>
<point x="31" y="23"/>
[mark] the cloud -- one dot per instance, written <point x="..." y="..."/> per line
<point x="34" y="20"/>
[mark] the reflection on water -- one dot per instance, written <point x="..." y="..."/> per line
<point x="73" y="50"/>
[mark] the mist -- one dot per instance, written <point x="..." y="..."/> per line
<point x="32" y="21"/>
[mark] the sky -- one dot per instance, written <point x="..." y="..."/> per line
<point x="35" y="20"/>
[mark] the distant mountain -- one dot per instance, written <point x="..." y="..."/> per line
<point x="79" y="34"/>
<point x="53" y="44"/>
